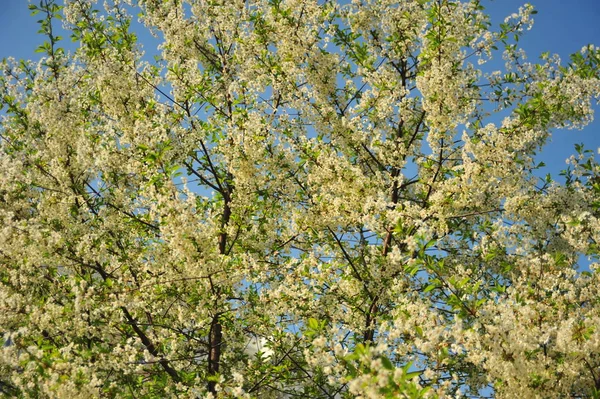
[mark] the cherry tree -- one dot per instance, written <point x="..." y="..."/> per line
<point x="295" y="198"/>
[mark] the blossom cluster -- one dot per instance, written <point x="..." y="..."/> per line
<point x="296" y="198"/>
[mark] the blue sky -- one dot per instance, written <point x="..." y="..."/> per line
<point x="560" y="27"/>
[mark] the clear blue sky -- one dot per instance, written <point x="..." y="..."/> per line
<point x="561" y="27"/>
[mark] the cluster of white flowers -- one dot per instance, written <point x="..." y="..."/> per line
<point x="297" y="199"/>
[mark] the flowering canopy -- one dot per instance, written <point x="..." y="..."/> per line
<point x="297" y="198"/>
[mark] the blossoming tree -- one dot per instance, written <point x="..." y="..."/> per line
<point x="297" y="198"/>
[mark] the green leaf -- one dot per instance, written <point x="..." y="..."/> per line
<point x="313" y="324"/>
<point x="430" y="287"/>
<point x="387" y="364"/>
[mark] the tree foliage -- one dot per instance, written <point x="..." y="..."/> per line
<point x="296" y="198"/>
